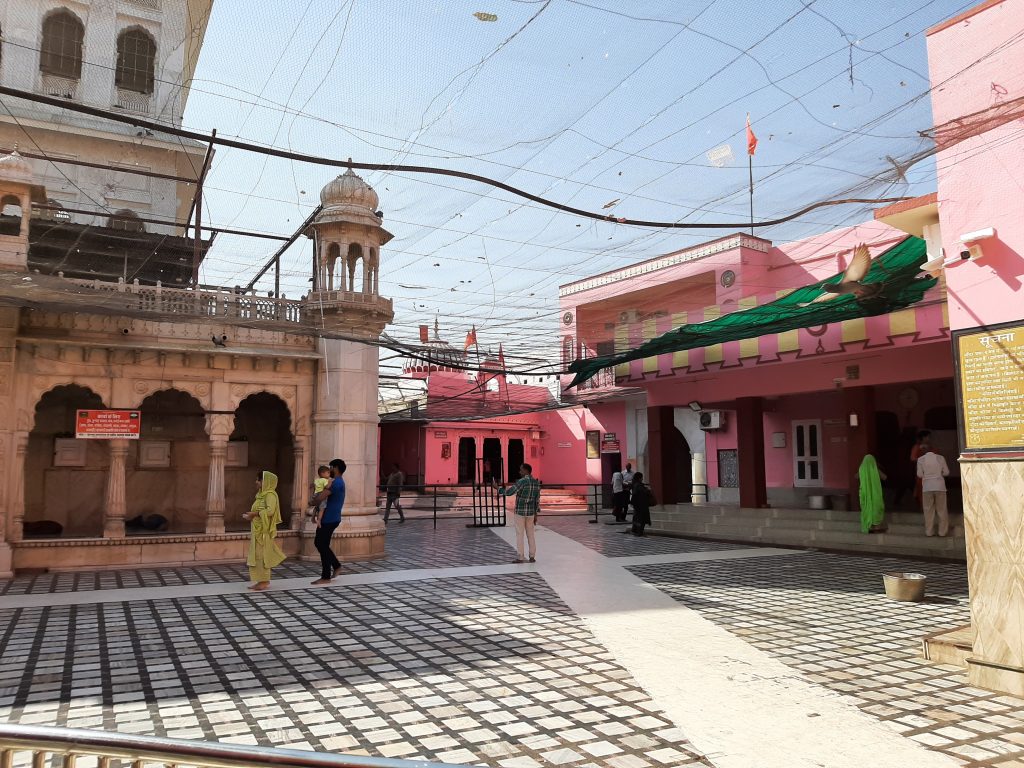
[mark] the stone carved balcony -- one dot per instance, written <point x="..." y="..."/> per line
<point x="212" y="304"/>
<point x="134" y="102"/>
<point x="355" y="311"/>
<point x="59" y="87"/>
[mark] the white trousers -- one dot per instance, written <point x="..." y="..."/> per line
<point x="525" y="524"/>
<point x="934" y="503"/>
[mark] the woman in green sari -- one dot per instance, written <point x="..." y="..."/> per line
<point x="264" y="552"/>
<point x="872" y="502"/>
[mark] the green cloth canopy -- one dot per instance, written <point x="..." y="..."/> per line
<point x="896" y="270"/>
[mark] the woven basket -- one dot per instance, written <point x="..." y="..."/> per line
<point x="906" y="587"/>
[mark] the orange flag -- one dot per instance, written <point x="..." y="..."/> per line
<point x="751" y="138"/>
<point x="471" y="339"/>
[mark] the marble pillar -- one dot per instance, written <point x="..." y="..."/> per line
<point x="301" y="484"/>
<point x="16" y="499"/>
<point x="994" y="523"/>
<point x="215" y="502"/>
<point x="116" y="502"/>
<point x="699" y="473"/>
<point x="345" y="424"/>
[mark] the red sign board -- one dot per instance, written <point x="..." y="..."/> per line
<point x="108" y="425"/>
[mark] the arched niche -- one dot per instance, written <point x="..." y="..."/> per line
<point x="65" y="478"/>
<point x="264" y="422"/>
<point x="168" y="469"/>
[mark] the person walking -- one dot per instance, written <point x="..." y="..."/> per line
<point x="872" y="502"/>
<point x="393" y="486"/>
<point x="627" y="486"/>
<point x="933" y="471"/>
<point x="643" y="499"/>
<point x="916" y="453"/>
<point x="527" y="492"/>
<point x="327" y="519"/>
<point x="620" y="498"/>
<point x="264" y="516"/>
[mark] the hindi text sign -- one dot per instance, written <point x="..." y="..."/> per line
<point x="991" y="368"/>
<point x="108" y="425"/>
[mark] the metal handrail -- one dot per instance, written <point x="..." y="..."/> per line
<point x="70" y="743"/>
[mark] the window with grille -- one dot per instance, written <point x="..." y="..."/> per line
<point x="61" y="50"/>
<point x="136" y="60"/>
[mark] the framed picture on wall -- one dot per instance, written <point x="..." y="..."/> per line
<point x="446" y="450"/>
<point x="594" y="444"/>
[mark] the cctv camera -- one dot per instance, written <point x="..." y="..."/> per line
<point x="965" y="255"/>
<point x="125" y="331"/>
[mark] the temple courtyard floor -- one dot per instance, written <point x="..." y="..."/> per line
<point x="609" y="651"/>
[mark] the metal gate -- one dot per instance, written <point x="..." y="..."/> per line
<point x="488" y="505"/>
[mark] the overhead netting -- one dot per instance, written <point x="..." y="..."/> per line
<point x="893" y="282"/>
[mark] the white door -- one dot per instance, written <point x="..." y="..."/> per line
<point x="807" y="471"/>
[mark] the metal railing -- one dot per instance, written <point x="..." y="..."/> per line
<point x="114" y="750"/>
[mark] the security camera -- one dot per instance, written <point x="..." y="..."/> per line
<point x="965" y="255"/>
<point x="125" y="331"/>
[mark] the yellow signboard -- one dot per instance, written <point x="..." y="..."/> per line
<point x="991" y="367"/>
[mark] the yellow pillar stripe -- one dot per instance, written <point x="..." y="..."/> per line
<point x="788" y="341"/>
<point x="621" y="345"/>
<point x="903" y="322"/>
<point x="650" y="331"/>
<point x="945" y="314"/>
<point x="854" y="330"/>
<point x="749" y="347"/>
<point x="680" y="359"/>
<point x="712" y="354"/>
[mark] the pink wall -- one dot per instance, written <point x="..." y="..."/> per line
<point x="565" y="449"/>
<point x="812" y="374"/>
<point x="975" y="64"/>
<point x="401" y="443"/>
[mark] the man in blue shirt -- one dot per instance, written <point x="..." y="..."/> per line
<point x="327" y="519"/>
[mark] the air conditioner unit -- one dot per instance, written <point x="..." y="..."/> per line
<point x="629" y="316"/>
<point x="710" y="420"/>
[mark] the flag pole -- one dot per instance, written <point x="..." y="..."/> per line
<point x="750" y="167"/>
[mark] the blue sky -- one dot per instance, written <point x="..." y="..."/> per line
<point x="583" y="101"/>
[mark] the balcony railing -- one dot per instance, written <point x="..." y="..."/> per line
<point x="605" y="379"/>
<point x="213" y="304"/>
<point x="36" y="745"/>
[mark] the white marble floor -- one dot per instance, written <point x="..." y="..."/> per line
<point x="736" y="705"/>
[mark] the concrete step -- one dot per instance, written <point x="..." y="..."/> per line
<point x="951" y="646"/>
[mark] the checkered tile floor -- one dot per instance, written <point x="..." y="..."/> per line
<point x="827" y="616"/>
<point x="610" y="541"/>
<point x="409" y="545"/>
<point x="493" y="670"/>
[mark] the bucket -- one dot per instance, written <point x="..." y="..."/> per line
<point x="906" y="587"/>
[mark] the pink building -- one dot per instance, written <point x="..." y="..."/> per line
<point x="780" y="418"/>
<point x="777" y="418"/>
<point x="470" y="426"/>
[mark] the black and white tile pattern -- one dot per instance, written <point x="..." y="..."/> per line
<point x="827" y="616"/>
<point x="493" y="670"/>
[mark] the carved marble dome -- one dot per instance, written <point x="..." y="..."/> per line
<point x="349" y="190"/>
<point x="14" y="167"/>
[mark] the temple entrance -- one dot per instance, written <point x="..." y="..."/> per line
<point x="166" y="486"/>
<point x="492" y="468"/>
<point x="516" y="457"/>
<point x="678" y="469"/>
<point x="65" y="478"/>
<point x="263" y="427"/>
<point x="610" y="464"/>
<point x="467" y="460"/>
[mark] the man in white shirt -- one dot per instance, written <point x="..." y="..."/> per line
<point x="932" y="469"/>
<point x="620" y="497"/>
<point x="627" y="487"/>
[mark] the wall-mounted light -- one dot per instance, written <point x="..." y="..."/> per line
<point x="854" y="420"/>
<point x="694" y="406"/>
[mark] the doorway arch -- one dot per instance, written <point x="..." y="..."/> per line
<point x="264" y="422"/>
<point x="50" y="510"/>
<point x="171" y="463"/>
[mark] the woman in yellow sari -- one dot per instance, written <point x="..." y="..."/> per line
<point x="264" y="552"/>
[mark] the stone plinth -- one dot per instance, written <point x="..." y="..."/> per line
<point x="994" y="521"/>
